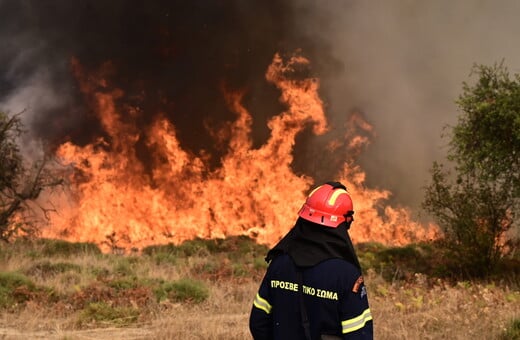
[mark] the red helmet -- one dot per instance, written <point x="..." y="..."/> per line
<point x="329" y="205"/>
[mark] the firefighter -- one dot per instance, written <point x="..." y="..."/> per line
<point x="313" y="288"/>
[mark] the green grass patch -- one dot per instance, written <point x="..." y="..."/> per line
<point x="102" y="314"/>
<point x="512" y="332"/>
<point x="234" y="247"/>
<point x="99" y="272"/>
<point x="51" y="247"/>
<point x="196" y="247"/>
<point x="184" y="290"/>
<point x="47" y="269"/>
<point x="240" y="270"/>
<point x="132" y="282"/>
<point x="401" y="263"/>
<point x="233" y="257"/>
<point x="164" y="258"/>
<point x="124" y="283"/>
<point x="189" y="290"/>
<point x="125" y="266"/>
<point x="15" y="288"/>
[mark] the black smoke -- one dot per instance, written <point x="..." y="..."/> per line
<point x="400" y="63"/>
<point x="170" y="57"/>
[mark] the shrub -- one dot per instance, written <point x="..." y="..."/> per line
<point x="21" y="180"/>
<point x="15" y="288"/>
<point x="475" y="196"/>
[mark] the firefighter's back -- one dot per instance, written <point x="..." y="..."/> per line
<point x="324" y="286"/>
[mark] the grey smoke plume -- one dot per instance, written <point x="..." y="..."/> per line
<point x="404" y="63"/>
<point x="400" y="63"/>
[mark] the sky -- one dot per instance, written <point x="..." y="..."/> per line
<point x="401" y="64"/>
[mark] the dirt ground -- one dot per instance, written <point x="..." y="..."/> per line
<point x="91" y="334"/>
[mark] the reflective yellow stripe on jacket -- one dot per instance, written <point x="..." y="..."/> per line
<point x="356" y="323"/>
<point x="262" y="304"/>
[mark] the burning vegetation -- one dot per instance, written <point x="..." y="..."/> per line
<point x="200" y="121"/>
<point x="136" y="185"/>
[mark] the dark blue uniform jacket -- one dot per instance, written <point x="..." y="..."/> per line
<point x="334" y="295"/>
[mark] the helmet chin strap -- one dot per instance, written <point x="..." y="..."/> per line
<point x="349" y="218"/>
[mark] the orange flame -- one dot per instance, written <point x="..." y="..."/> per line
<point x="117" y="202"/>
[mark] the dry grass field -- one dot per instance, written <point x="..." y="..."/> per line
<point x="204" y="290"/>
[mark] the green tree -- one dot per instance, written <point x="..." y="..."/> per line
<point x="21" y="182"/>
<point x="476" y="203"/>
